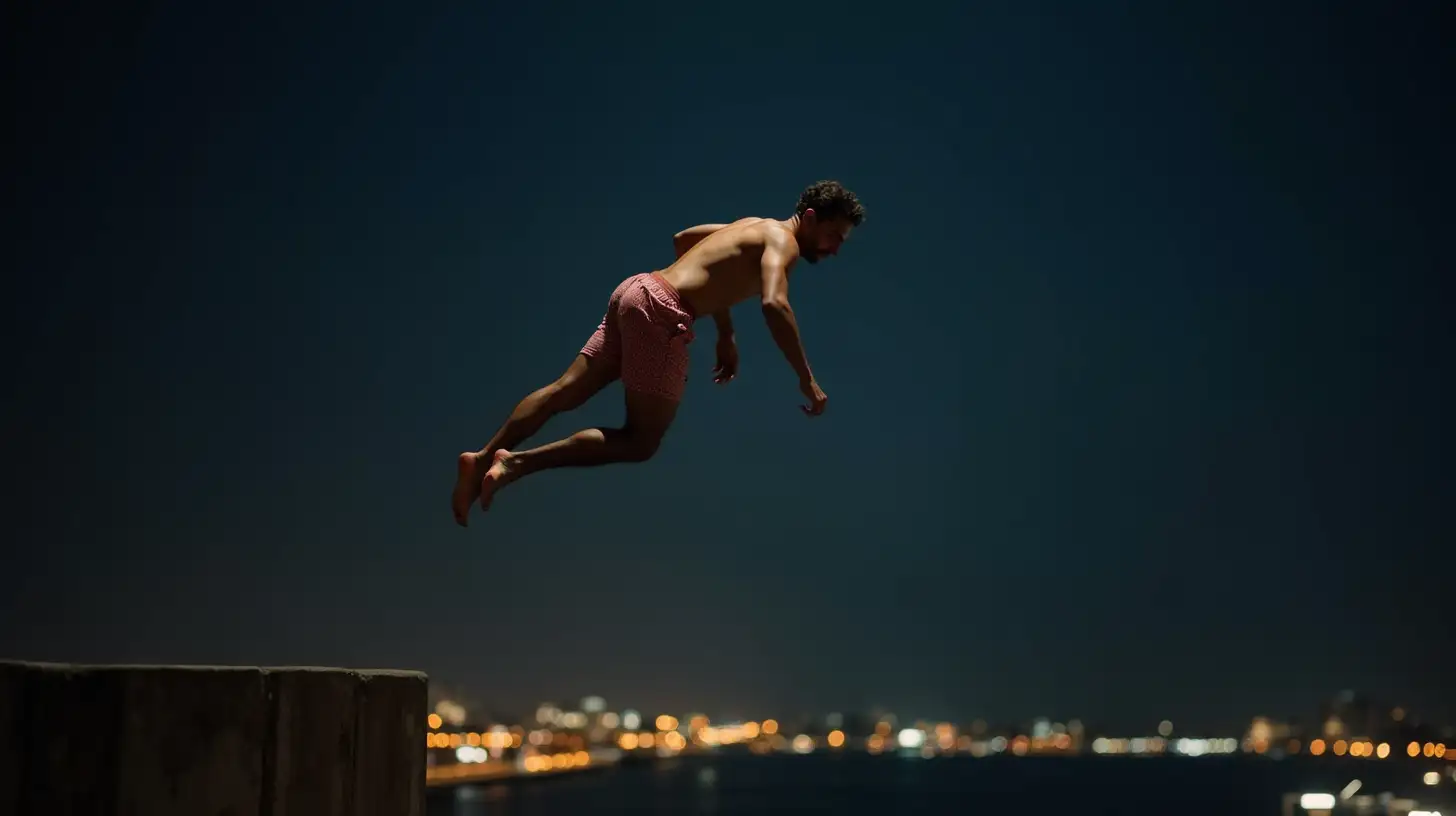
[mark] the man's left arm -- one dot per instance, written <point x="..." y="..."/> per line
<point x="723" y="319"/>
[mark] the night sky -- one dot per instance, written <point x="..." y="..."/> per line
<point x="1135" y="370"/>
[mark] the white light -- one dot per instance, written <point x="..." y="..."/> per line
<point x="593" y="705"/>
<point x="998" y="744"/>
<point x="1165" y="729"/>
<point x="1099" y="745"/>
<point x="1432" y="778"/>
<point x="803" y="744"/>
<point x="911" y="738"/>
<point x="610" y="720"/>
<point x="1317" y="801"/>
<point x="1192" y="747"/>
<point x="1424" y="813"/>
<point x="467" y="755"/>
<point x="1350" y="789"/>
<point x="631" y="720"/>
<point x="1139" y="745"/>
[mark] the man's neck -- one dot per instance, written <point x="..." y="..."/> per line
<point x="792" y="224"/>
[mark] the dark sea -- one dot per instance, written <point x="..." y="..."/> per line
<point x="854" y="783"/>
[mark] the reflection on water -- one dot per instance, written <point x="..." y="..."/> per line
<point x="853" y="784"/>
<point x="469" y="800"/>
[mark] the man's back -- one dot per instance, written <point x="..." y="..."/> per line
<point x="725" y="267"/>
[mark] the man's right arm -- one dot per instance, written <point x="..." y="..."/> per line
<point x="774" y="269"/>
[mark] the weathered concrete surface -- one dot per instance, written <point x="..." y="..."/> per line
<point x="195" y="740"/>
<point x="389" y="760"/>
<point x="190" y="741"/>
<point x="11" y="704"/>
<point x="313" y="743"/>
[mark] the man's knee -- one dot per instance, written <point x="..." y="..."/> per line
<point x="642" y="445"/>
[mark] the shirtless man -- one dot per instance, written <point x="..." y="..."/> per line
<point x="644" y="337"/>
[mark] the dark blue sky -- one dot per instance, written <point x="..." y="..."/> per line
<point x="1135" y="370"/>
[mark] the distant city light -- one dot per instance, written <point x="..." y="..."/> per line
<point x="770" y="727"/>
<point x="1350" y="790"/>
<point x="1317" y="801"/>
<point x="1413" y="750"/>
<point x="666" y="722"/>
<point x="803" y="744"/>
<point x="631" y="720"/>
<point x="436" y="722"/>
<point x="836" y="738"/>
<point x="1165" y="728"/>
<point x="467" y="754"/>
<point x="593" y="705"/>
<point x="1382" y="750"/>
<point x="1432" y="778"/>
<point x="452" y="712"/>
<point x="610" y="720"/>
<point x="910" y="738"/>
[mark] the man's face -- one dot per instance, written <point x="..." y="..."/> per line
<point x="824" y="237"/>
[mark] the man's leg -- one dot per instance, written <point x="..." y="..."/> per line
<point x="585" y="377"/>
<point x="648" y="418"/>
<point x="581" y="381"/>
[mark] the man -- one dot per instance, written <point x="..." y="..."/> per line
<point x="644" y="337"/>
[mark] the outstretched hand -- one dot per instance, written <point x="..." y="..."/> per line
<point x="727" y="367"/>
<point x="817" y="398"/>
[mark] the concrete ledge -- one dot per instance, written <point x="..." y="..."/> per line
<point x="195" y="740"/>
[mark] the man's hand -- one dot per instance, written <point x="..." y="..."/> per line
<point x="727" y="367"/>
<point x="810" y="389"/>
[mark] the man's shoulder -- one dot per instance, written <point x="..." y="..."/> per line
<point x="765" y="231"/>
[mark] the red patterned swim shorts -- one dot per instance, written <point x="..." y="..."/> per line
<point x="647" y="329"/>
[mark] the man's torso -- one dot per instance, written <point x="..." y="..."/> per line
<point x="724" y="268"/>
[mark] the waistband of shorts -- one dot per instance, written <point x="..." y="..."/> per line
<point x="654" y="280"/>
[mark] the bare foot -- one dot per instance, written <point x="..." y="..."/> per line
<point x="467" y="486"/>
<point x="499" y="475"/>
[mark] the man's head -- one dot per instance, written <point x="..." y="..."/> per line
<point x="827" y="212"/>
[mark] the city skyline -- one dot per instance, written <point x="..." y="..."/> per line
<point x="1346" y="715"/>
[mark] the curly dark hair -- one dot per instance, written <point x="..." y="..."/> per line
<point x="830" y="200"/>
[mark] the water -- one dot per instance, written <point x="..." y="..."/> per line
<point x="854" y="784"/>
